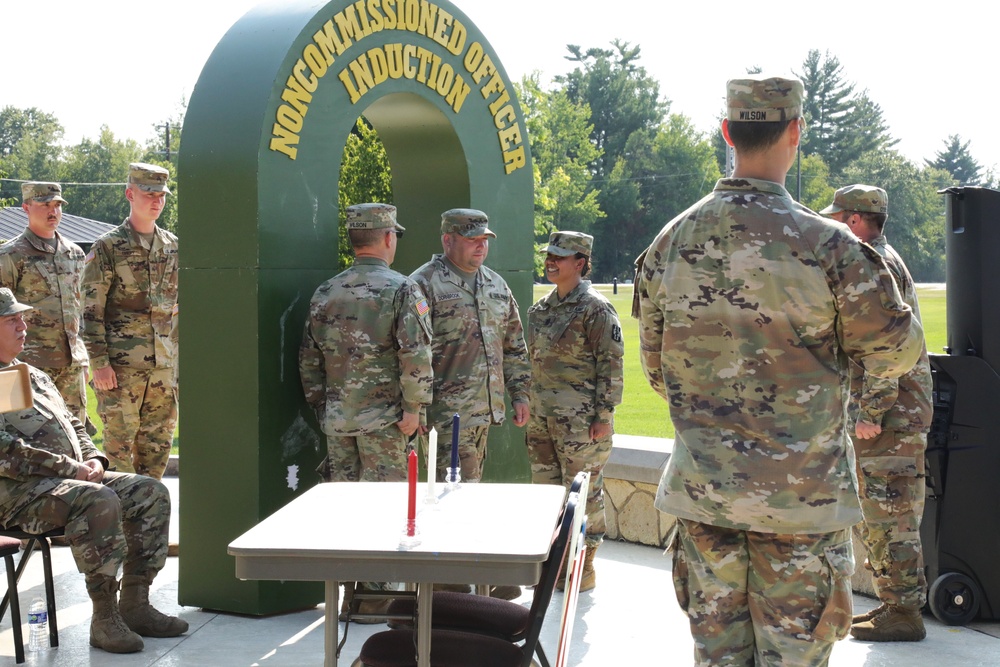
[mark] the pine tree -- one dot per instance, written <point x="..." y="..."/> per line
<point x="956" y="159"/>
<point x="842" y="125"/>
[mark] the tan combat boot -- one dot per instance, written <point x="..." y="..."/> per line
<point x="893" y="624"/>
<point x="503" y="592"/>
<point x="141" y="616"/>
<point x="107" y="628"/>
<point x="588" y="578"/>
<point x="868" y="615"/>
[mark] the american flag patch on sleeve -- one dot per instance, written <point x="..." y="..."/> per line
<point x="422" y="307"/>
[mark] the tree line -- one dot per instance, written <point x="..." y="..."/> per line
<point x="92" y="172"/>
<point x="609" y="157"/>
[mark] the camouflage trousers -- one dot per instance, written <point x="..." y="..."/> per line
<point x="370" y="457"/>
<point x="471" y="451"/>
<point x="121" y="523"/>
<point x="763" y="598"/>
<point x="139" y="420"/>
<point x="892" y="482"/>
<point x="559" y="448"/>
<point x="71" y="381"/>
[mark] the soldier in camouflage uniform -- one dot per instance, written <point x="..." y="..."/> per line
<point x="52" y="476"/>
<point x="891" y="420"/>
<point x="365" y="361"/>
<point x="130" y="286"/>
<point x="750" y="306"/>
<point x="478" y="341"/>
<point x="575" y="345"/>
<point x="43" y="270"/>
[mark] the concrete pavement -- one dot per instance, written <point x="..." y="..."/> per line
<point x="631" y="618"/>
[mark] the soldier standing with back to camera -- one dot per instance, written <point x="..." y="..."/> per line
<point x="365" y="359"/>
<point x="43" y="270"/>
<point x="576" y="350"/>
<point x="891" y="421"/>
<point x="365" y="362"/>
<point x="130" y="282"/>
<point x="750" y="307"/>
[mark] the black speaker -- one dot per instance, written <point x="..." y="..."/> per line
<point x="972" y="246"/>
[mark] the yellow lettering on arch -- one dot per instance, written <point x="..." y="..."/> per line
<point x="352" y="91"/>
<point x="409" y="52"/>
<point x="328" y="42"/>
<point x="513" y="160"/>
<point x="284" y="141"/>
<point x="459" y="91"/>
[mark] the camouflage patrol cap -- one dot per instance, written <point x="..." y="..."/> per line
<point x="41" y="192"/>
<point x="373" y="216"/>
<point x="566" y="244"/>
<point x="148" y="177"/>
<point x="761" y="100"/>
<point x="466" y="221"/>
<point x="9" y="305"/>
<point x="857" y="197"/>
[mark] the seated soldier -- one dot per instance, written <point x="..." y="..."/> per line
<point x="52" y="476"/>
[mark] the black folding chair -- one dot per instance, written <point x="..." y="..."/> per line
<point x="10" y="599"/>
<point x="8" y="547"/>
<point x="479" y="630"/>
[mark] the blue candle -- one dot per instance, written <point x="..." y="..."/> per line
<point x="454" y="442"/>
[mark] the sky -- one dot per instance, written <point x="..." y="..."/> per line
<point x="110" y="63"/>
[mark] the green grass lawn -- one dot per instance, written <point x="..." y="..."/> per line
<point x="642" y="412"/>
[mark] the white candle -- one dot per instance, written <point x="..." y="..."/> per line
<point x="432" y="452"/>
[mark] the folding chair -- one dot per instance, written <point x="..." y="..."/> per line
<point x="485" y="615"/>
<point x="10" y="598"/>
<point x="481" y="630"/>
<point x="574" y="573"/>
<point x="8" y="547"/>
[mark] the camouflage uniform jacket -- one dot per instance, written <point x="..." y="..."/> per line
<point x="50" y="283"/>
<point x="905" y="404"/>
<point x="576" y="355"/>
<point x="366" y="352"/>
<point x="478" y="345"/>
<point x="131" y="299"/>
<point x="750" y="306"/>
<point x="39" y="446"/>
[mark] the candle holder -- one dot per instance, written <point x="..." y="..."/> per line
<point x="454" y="478"/>
<point x="411" y="536"/>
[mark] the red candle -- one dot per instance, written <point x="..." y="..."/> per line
<point x="411" y="510"/>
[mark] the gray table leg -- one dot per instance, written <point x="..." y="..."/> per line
<point x="332" y="627"/>
<point x="425" y="590"/>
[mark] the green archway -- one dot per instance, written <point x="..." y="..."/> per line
<point x="263" y="142"/>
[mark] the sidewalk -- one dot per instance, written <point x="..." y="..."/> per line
<point x="631" y="618"/>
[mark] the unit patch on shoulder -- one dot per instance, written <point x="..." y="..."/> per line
<point x="616" y="333"/>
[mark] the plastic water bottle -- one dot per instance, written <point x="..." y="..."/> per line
<point x="38" y="625"/>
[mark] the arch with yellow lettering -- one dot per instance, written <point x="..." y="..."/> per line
<point x="263" y="141"/>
